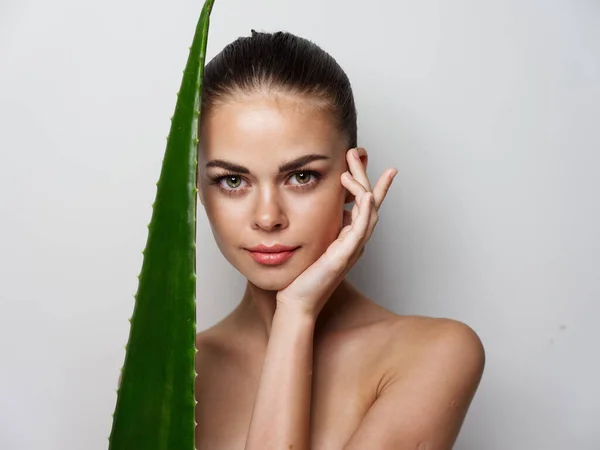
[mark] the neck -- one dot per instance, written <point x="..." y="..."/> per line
<point x="257" y="308"/>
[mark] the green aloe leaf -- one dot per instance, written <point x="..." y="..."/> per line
<point x="155" y="400"/>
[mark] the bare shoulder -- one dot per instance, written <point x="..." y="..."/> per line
<point x="397" y="345"/>
<point x="405" y="347"/>
<point x="437" y="333"/>
<point x="429" y="370"/>
<point x="209" y="341"/>
<point x="421" y="343"/>
<point x="219" y="362"/>
<point x="417" y="333"/>
<point x="223" y="348"/>
<point x="214" y="343"/>
<point x="213" y="350"/>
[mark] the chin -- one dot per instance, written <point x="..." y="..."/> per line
<point x="268" y="285"/>
<point x="271" y="279"/>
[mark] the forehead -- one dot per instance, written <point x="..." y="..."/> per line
<point x="265" y="127"/>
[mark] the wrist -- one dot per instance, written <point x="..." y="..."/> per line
<point x="295" y="311"/>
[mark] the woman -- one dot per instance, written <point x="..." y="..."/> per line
<point x="305" y="361"/>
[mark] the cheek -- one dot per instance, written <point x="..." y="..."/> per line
<point x="320" y="216"/>
<point x="225" y="219"/>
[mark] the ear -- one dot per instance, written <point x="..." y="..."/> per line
<point x="364" y="159"/>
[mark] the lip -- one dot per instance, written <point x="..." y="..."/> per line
<point x="277" y="248"/>
<point x="271" y="256"/>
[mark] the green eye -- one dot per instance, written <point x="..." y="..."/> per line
<point x="303" y="177"/>
<point x="233" y="182"/>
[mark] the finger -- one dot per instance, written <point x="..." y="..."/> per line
<point x="348" y="221"/>
<point x="352" y="234"/>
<point x="361" y="224"/>
<point x="373" y="219"/>
<point x="362" y="227"/>
<point x="353" y="185"/>
<point x="372" y="222"/>
<point x="357" y="168"/>
<point x="383" y="185"/>
<point x="356" y="189"/>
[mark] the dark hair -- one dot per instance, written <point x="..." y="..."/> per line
<point x="280" y="61"/>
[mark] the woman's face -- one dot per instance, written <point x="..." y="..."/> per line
<point x="284" y="189"/>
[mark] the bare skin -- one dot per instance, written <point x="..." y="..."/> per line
<point x="305" y="360"/>
<point x="354" y="358"/>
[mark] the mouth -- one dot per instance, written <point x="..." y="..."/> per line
<point x="271" y="256"/>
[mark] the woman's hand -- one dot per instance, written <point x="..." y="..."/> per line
<point x="312" y="288"/>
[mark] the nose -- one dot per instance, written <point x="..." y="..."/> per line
<point x="269" y="214"/>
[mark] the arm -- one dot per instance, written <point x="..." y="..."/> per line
<point x="281" y="414"/>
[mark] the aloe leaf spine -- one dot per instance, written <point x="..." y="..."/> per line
<point x="155" y="400"/>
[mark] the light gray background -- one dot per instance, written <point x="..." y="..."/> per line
<point x="490" y="110"/>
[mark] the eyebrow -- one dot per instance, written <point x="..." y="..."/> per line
<point x="285" y="167"/>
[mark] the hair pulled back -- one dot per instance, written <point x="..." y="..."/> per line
<point x="280" y="61"/>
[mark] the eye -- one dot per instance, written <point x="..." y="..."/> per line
<point x="231" y="182"/>
<point x="303" y="177"/>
